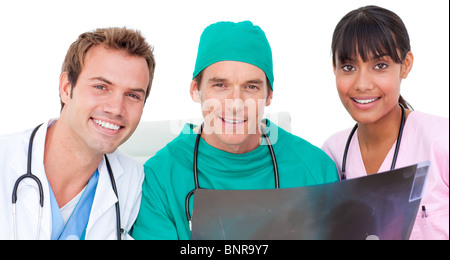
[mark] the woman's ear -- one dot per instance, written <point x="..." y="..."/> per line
<point x="334" y="67"/>
<point x="407" y="65"/>
<point x="195" y="92"/>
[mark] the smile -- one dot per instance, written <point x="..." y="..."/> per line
<point x="365" y="101"/>
<point x="233" y="121"/>
<point x="106" y="125"/>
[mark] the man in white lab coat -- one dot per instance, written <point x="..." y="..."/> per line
<point x="105" y="81"/>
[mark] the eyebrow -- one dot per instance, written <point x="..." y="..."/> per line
<point x="110" y="83"/>
<point x="217" y="79"/>
<point x="102" y="79"/>
<point x="255" y="81"/>
<point x="371" y="57"/>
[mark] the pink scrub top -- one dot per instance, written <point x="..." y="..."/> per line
<point x="425" y="138"/>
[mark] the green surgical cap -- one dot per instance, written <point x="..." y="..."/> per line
<point x="228" y="41"/>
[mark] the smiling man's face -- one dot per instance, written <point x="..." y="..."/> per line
<point x="233" y="96"/>
<point x="105" y="106"/>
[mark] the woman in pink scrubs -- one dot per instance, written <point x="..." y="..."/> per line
<point x="371" y="56"/>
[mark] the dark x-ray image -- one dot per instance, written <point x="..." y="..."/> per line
<point x="379" y="206"/>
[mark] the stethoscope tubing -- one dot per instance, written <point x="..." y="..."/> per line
<point x="41" y="190"/>
<point x="397" y="145"/>
<point x="30" y="175"/>
<point x="119" y="229"/>
<point x="195" y="168"/>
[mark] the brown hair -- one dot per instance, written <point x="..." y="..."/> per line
<point x="117" y="38"/>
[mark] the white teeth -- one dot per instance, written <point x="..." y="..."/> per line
<point x="106" y="125"/>
<point x="232" y="121"/>
<point x="365" y="101"/>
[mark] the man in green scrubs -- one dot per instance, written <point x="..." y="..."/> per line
<point x="233" y="82"/>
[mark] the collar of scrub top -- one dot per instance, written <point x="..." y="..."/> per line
<point x="75" y="228"/>
<point x="195" y="168"/>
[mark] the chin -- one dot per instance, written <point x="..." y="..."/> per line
<point x="110" y="151"/>
<point x="105" y="149"/>
<point x="238" y="139"/>
<point x="233" y="139"/>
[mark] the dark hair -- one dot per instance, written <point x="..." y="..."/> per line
<point x="371" y="31"/>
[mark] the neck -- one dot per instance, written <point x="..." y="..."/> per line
<point x="377" y="138"/>
<point x="68" y="164"/>
<point x="382" y="131"/>
<point x="249" y="145"/>
<point x="251" y="142"/>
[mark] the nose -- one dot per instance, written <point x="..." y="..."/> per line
<point x="115" y="104"/>
<point x="235" y="100"/>
<point x="363" y="81"/>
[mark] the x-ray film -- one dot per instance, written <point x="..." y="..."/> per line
<point x="379" y="206"/>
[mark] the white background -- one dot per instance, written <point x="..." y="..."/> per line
<point x="35" y="36"/>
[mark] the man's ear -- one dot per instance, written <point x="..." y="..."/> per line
<point x="65" y="88"/>
<point x="195" y="92"/>
<point x="269" y="98"/>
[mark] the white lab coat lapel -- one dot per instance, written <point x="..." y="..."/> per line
<point x="27" y="206"/>
<point x="102" y="220"/>
<point x="104" y="201"/>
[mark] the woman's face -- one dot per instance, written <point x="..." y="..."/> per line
<point x="370" y="90"/>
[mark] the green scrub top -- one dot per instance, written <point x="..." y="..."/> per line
<point x="169" y="176"/>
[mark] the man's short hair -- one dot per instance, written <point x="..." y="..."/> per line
<point x="116" y="38"/>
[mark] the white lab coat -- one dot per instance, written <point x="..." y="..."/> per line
<point x="128" y="175"/>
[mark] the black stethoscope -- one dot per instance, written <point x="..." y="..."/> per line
<point x="41" y="190"/>
<point x="397" y="146"/>
<point x="197" y="186"/>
